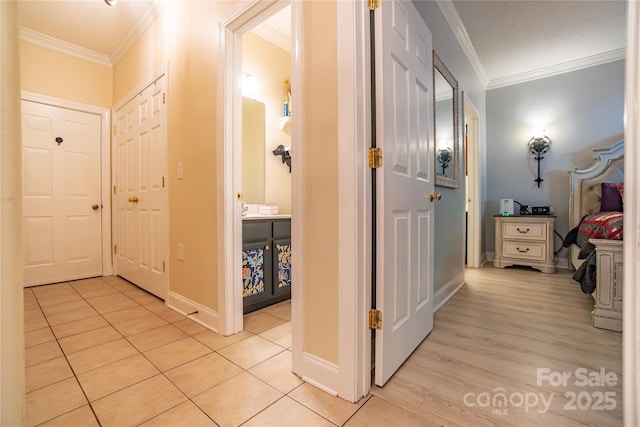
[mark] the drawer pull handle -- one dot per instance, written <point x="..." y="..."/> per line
<point x="266" y="248"/>
<point x="523" y="232"/>
<point x="523" y="251"/>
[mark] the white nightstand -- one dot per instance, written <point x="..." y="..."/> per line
<point x="525" y="240"/>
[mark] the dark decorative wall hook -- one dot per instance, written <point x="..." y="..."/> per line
<point x="283" y="151"/>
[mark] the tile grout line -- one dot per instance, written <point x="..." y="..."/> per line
<point x="75" y="376"/>
<point x="191" y="335"/>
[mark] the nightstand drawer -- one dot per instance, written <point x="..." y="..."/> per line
<point x="524" y="230"/>
<point x="524" y="250"/>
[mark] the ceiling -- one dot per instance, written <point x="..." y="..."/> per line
<point x="506" y="41"/>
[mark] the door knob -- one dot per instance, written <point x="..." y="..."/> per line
<point x="434" y="196"/>
<point x="95" y="207"/>
<point x="133" y="199"/>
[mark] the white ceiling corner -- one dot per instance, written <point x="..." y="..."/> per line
<point x="276" y="29"/>
<point x="553" y="70"/>
<point x="149" y="15"/>
<point x="90" y="30"/>
<point x="63" y="47"/>
<point x="453" y="18"/>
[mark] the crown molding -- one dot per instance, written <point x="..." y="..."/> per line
<point x="565" y="67"/>
<point x="64" y="47"/>
<point x="274" y="36"/>
<point x="150" y="14"/>
<point x="451" y="15"/>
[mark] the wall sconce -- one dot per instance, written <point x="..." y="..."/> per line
<point x="249" y="84"/>
<point x="538" y="146"/>
<point x="444" y="156"/>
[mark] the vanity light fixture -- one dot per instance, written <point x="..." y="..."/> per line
<point x="249" y="84"/>
<point x="538" y="145"/>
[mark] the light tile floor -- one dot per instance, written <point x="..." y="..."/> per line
<point x="104" y="352"/>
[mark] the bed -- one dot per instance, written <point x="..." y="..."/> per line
<point x="586" y="199"/>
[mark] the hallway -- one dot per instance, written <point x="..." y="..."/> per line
<point x="103" y="352"/>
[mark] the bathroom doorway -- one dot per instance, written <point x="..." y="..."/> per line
<point x="267" y="66"/>
<point x="266" y="162"/>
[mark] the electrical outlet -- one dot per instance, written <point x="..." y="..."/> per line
<point x="179" y="172"/>
<point x="180" y="252"/>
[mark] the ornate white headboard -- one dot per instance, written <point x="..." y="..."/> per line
<point x="585" y="192"/>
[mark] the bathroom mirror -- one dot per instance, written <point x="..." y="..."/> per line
<point x="446" y="126"/>
<point x="253" y="122"/>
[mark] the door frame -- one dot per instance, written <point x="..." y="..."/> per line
<point x="105" y="163"/>
<point x="473" y="158"/>
<point x="233" y="25"/>
<point x="354" y="200"/>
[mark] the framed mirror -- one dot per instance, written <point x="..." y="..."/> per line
<point x="446" y="126"/>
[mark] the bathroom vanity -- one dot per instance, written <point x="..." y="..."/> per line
<point x="266" y="260"/>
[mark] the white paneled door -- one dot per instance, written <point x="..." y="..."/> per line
<point x="140" y="164"/>
<point x="62" y="211"/>
<point x="405" y="181"/>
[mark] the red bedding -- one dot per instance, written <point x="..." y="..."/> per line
<point x="602" y="225"/>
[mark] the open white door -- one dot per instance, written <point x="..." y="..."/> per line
<point x="405" y="215"/>
<point x="62" y="208"/>
<point x="140" y="170"/>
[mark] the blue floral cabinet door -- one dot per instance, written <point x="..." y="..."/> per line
<point x="257" y="272"/>
<point x="282" y="267"/>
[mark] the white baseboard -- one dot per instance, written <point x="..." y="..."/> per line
<point x="483" y="259"/>
<point x="449" y="289"/>
<point x="194" y="311"/>
<point x="320" y="373"/>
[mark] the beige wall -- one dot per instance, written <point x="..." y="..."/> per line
<point x="186" y="37"/>
<point x="11" y="295"/>
<point x="270" y="65"/>
<point x="320" y="139"/>
<point x="52" y="73"/>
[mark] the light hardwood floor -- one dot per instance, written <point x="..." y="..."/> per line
<point x="491" y="338"/>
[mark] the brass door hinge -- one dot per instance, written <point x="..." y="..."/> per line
<point x="375" y="319"/>
<point x="164" y="97"/>
<point x="163" y="266"/>
<point x="375" y="157"/>
<point x="163" y="182"/>
<point x="373" y="4"/>
<point x="115" y="130"/>
<point x="115" y="249"/>
<point x="114" y="189"/>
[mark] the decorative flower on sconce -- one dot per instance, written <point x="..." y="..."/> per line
<point x="538" y="146"/>
<point x="444" y="156"/>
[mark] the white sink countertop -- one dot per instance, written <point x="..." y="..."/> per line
<point x="254" y="216"/>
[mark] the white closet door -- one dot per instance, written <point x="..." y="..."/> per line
<point x="62" y="213"/>
<point x="140" y="161"/>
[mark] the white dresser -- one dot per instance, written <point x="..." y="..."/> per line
<point x="525" y="240"/>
